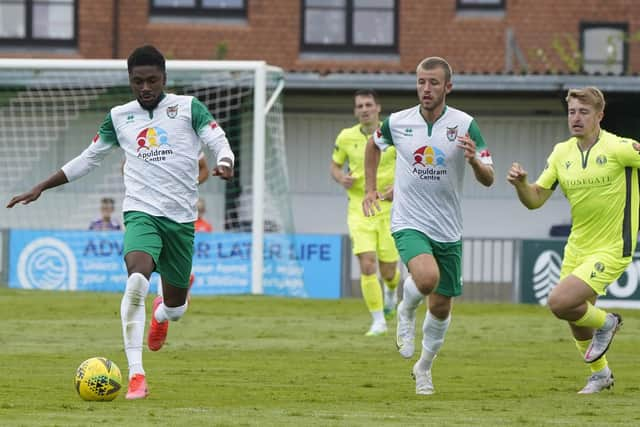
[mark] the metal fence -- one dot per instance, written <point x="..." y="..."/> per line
<point x="490" y="269"/>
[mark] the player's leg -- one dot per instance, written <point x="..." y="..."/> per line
<point x="416" y="252"/>
<point x="582" y="280"/>
<point x="141" y="247"/>
<point x="163" y="311"/>
<point x="174" y="265"/>
<point x="388" y="264"/>
<point x="192" y="279"/>
<point x="372" y="293"/>
<point x="363" y="241"/>
<point x="571" y="300"/>
<point x="600" y="377"/>
<point x="438" y="318"/>
<point x="391" y="278"/>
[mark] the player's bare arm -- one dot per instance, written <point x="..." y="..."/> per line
<point x="58" y="178"/>
<point x="342" y="178"/>
<point x="371" y="160"/>
<point x="531" y="195"/>
<point x="224" y="169"/>
<point x="203" y="170"/>
<point x="484" y="173"/>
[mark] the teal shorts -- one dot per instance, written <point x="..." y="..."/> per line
<point x="169" y="243"/>
<point x="411" y="243"/>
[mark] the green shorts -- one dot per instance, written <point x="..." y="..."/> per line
<point x="169" y="243"/>
<point x="411" y="243"/>
<point x="372" y="234"/>
<point x="598" y="270"/>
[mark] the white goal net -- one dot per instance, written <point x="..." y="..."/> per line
<point x="51" y="109"/>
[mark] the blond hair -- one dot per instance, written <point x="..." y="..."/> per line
<point x="589" y="95"/>
<point x="436" y="62"/>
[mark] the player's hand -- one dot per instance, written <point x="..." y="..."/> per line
<point x="636" y="146"/>
<point x="222" y="170"/>
<point x="370" y="203"/>
<point x="25" y="198"/>
<point x="468" y="145"/>
<point x="387" y="194"/>
<point x="347" y="180"/>
<point x="516" y="174"/>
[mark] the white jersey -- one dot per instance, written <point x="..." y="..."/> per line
<point x="429" y="170"/>
<point x="162" y="148"/>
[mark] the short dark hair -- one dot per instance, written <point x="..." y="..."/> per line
<point x="107" y="201"/>
<point x="146" y="55"/>
<point x="367" y="92"/>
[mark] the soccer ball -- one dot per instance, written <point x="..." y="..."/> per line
<point x="98" y="378"/>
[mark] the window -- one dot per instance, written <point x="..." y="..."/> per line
<point x="367" y="26"/>
<point x="604" y="47"/>
<point x="38" y="22"/>
<point x="207" y="8"/>
<point x="480" y="4"/>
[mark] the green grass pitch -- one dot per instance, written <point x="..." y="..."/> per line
<point x="266" y="361"/>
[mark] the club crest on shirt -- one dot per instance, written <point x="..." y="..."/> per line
<point x="172" y="111"/>
<point x="598" y="267"/>
<point x="452" y="133"/>
<point x="601" y="160"/>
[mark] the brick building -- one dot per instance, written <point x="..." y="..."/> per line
<point x="489" y="36"/>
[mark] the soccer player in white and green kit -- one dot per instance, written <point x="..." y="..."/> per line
<point x="434" y="144"/>
<point x="161" y="135"/>
<point x="598" y="173"/>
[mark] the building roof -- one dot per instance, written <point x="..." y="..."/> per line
<point x="463" y="82"/>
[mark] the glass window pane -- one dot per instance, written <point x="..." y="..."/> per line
<point x="604" y="50"/>
<point x="326" y="3"/>
<point x="53" y="21"/>
<point x="373" y="28"/>
<point x="12" y="21"/>
<point x="324" y="27"/>
<point x="174" y="3"/>
<point x="386" y="4"/>
<point x="223" y="4"/>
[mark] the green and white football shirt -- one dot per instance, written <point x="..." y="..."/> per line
<point x="161" y="149"/>
<point x="429" y="170"/>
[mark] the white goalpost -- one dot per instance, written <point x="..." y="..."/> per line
<point x="51" y="109"/>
